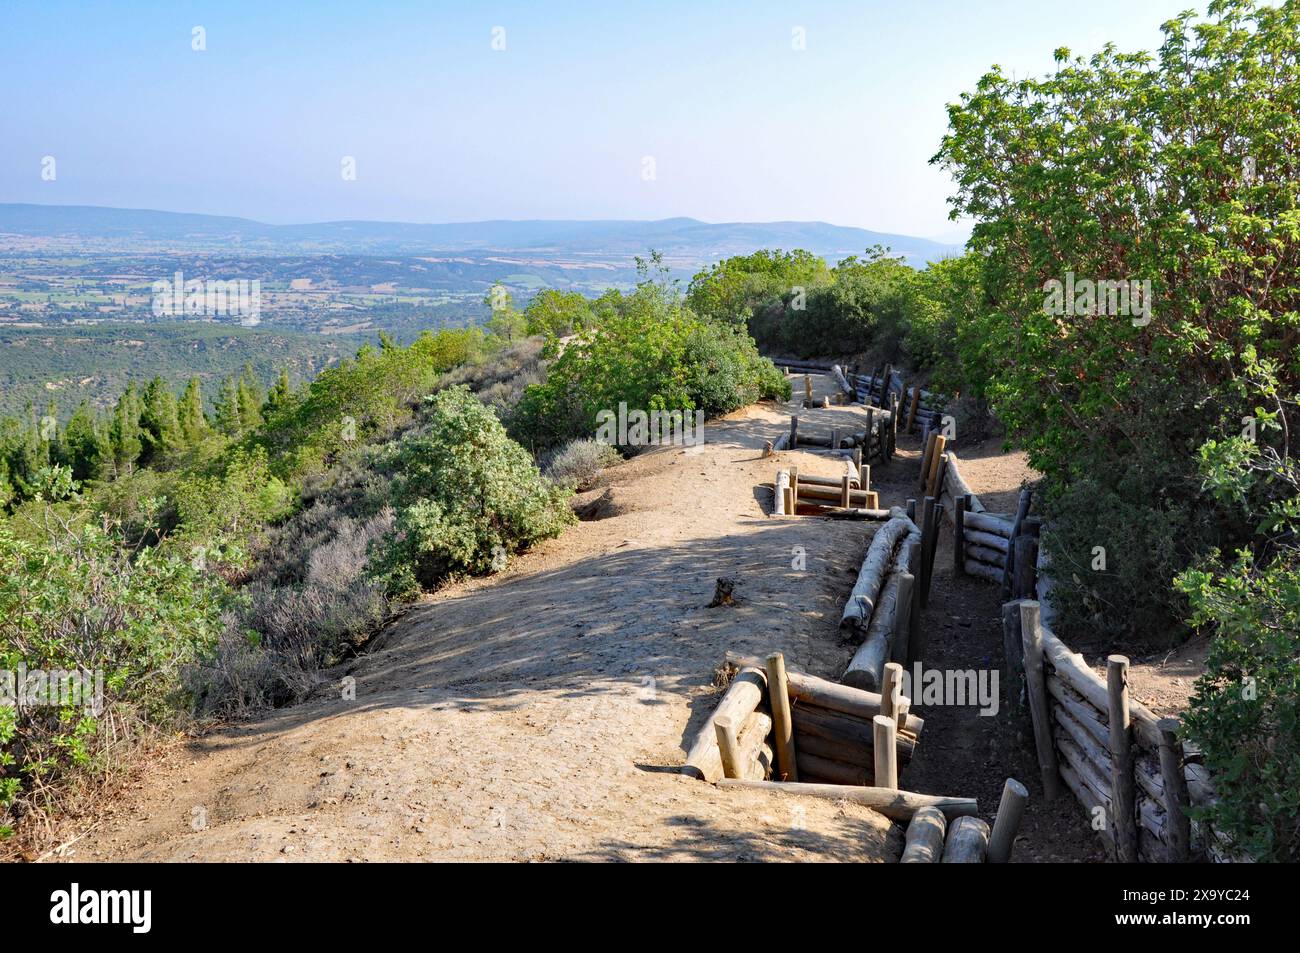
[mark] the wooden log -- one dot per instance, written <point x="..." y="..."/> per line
<point x="728" y="747"/>
<point x="1031" y="633"/>
<point x="832" y="749"/>
<point x="794" y="432"/>
<point x="988" y="523"/>
<point x="1074" y="729"/>
<point x="967" y="841"/>
<point x="807" y="388"/>
<point x="1178" y="832"/>
<point x="813" y="692"/>
<point x="845" y="489"/>
<point x="959" y="534"/>
<point x="896" y="805"/>
<point x="742" y="697"/>
<point x="855" y="732"/>
<point x="928" y="531"/>
<point x="925" y="463"/>
<point x="1022" y="510"/>
<point x="978" y="537"/>
<point x="830" y="771"/>
<point x="1123" y="797"/>
<point x="916" y="403"/>
<point x="752" y="749"/>
<point x="1013" y="657"/>
<point x="791" y="505"/>
<point x="782" y="723"/>
<point x="853" y="513"/>
<point x="780" y="486"/>
<point x="1025" y="565"/>
<point x="987" y="556"/>
<point x="957" y="485"/>
<point x="983" y="571"/>
<point x="901" y="638"/>
<point x="1084" y="714"/>
<point x="885" y="751"/>
<point x="939" y="474"/>
<point x="1071" y="668"/>
<point x="862" y="600"/>
<point x="866" y="668"/>
<point x="810" y="491"/>
<point x="1090" y="800"/>
<point x="940" y="441"/>
<point x="916" y="634"/>
<point x="911" y="510"/>
<point x="781" y="443"/>
<point x="925" y="832"/>
<point x="1007" y="822"/>
<point x="838" y="374"/>
<point x="891" y="691"/>
<point x="827" y="482"/>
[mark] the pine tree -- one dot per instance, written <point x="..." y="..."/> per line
<point x="160" y="427"/>
<point x="278" y="396"/>
<point x="250" y="399"/>
<point x="125" y="431"/>
<point x="81" y="440"/>
<point x="227" y="409"/>
<point x="192" y="420"/>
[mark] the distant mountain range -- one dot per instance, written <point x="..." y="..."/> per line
<point x="683" y="241"/>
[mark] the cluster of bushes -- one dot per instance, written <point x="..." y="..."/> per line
<point x="1162" y="431"/>
<point x="648" y="350"/>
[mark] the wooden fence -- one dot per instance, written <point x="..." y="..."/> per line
<point x="1127" y="767"/>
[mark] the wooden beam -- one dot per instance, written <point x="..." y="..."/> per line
<point x="778" y="693"/>
<point x="1123" y="797"/>
<point x="898" y="805"/>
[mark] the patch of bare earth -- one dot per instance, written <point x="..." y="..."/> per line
<point x="540" y="714"/>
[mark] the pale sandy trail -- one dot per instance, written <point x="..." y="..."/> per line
<point x="534" y="714"/>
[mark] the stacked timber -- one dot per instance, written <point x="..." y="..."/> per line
<point x="740" y="720"/>
<point x="924" y="410"/>
<point x="1110" y="751"/>
<point x="876" y="614"/>
<point x="984" y="540"/>
<point x="955" y="486"/>
<point x="833" y="727"/>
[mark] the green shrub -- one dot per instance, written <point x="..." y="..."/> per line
<point x="579" y="462"/>
<point x="84" y="602"/>
<point x="466" y="496"/>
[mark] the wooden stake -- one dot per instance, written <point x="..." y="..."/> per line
<point x="911" y="510"/>
<point x="1007" y="822"/>
<point x="728" y="747"/>
<point x="940" y="441"/>
<point x="794" y="431"/>
<point x="1123" y="799"/>
<point x="845" y="490"/>
<point x="1031" y="633"/>
<point x="916" y="403"/>
<point x="925" y="462"/>
<point x="807" y="387"/>
<point x="959" y="534"/>
<point x="778" y="692"/>
<point x="915" y="635"/>
<point x="928" y="532"/>
<point x="1026" y="567"/>
<point x="1013" y="653"/>
<point x="885" y="741"/>
<point x="891" y="686"/>
<point x="1178" y="828"/>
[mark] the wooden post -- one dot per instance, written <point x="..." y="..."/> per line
<point x="940" y="441"/>
<point x="959" y="533"/>
<point x="927" y="531"/>
<point x="794" y="491"/>
<point x="891" y="686"/>
<point x="885" y="742"/>
<point x="916" y="403"/>
<point x="915" y="635"/>
<point x="728" y="747"/>
<point x="935" y="522"/>
<point x="1031" y="632"/>
<point x="857" y="457"/>
<point x="1178" y="825"/>
<point x="789" y="499"/>
<point x="902" y="634"/>
<point x="1007" y="822"/>
<point x="794" y="431"/>
<point x="911" y="510"/>
<point x="884" y="384"/>
<point x="925" y="462"/>
<point x="845" y="486"/>
<point x="778" y="691"/>
<point x="807" y="387"/>
<point x="835" y="438"/>
<point x="1123" y="797"/>
<point x="1026" y="571"/>
<point x="864" y="478"/>
<point x="1013" y="654"/>
<point x="1022" y="510"/>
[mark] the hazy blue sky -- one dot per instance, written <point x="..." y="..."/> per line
<point x="741" y="125"/>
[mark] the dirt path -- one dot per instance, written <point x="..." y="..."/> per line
<point x="540" y="713"/>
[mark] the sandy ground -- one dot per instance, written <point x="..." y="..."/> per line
<point x="540" y="714"/>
